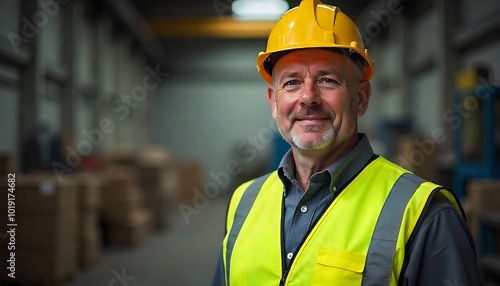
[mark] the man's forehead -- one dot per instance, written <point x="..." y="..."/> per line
<point x="313" y="56"/>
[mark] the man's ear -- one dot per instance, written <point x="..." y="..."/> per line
<point x="364" y="94"/>
<point x="271" y="99"/>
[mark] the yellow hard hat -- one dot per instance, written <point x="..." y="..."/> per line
<point x="314" y="25"/>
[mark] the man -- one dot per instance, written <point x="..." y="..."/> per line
<point x="334" y="213"/>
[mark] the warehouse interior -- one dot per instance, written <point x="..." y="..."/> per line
<point x="128" y="124"/>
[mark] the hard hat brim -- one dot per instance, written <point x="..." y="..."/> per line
<point x="367" y="70"/>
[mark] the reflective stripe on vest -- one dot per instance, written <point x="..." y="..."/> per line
<point x="385" y="236"/>
<point x="244" y="207"/>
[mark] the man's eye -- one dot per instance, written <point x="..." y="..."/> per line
<point x="291" y="82"/>
<point x="328" y="80"/>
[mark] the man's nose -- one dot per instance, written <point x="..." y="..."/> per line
<point x="310" y="95"/>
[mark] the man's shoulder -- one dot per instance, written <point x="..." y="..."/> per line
<point x="389" y="164"/>
<point x="437" y="203"/>
<point x="258" y="178"/>
<point x="255" y="182"/>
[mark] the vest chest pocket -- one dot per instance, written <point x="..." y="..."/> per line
<point x="338" y="267"/>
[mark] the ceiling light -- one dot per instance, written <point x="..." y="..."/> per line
<point x="248" y="10"/>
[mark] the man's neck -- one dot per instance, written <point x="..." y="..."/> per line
<point x="307" y="163"/>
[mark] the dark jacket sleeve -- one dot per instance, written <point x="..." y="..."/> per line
<point x="218" y="275"/>
<point x="442" y="251"/>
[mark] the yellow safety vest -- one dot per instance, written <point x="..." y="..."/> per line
<point x="359" y="240"/>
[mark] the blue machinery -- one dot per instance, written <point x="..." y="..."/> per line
<point x="477" y="140"/>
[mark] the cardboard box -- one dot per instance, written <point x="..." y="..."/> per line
<point x="153" y="157"/>
<point x="89" y="250"/>
<point x="121" y="154"/>
<point x="89" y="226"/>
<point x="483" y="195"/>
<point x="89" y="239"/>
<point x="89" y="191"/>
<point x="7" y="163"/>
<point x="120" y="195"/>
<point x="121" y="208"/>
<point x="119" y="183"/>
<point x="89" y="253"/>
<point x="156" y="203"/>
<point x="136" y="232"/>
<point x="142" y="156"/>
<point x="113" y="194"/>
<point x="153" y="178"/>
<point x="44" y="194"/>
<point x="417" y="157"/>
<point x="46" y="230"/>
<point x="44" y="265"/>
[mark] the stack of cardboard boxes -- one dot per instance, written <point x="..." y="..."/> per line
<point x="154" y="171"/>
<point x="418" y="156"/>
<point x="483" y="197"/>
<point x="156" y="181"/>
<point x="46" y="218"/>
<point x="125" y="220"/>
<point x="89" y="227"/>
<point x="62" y="222"/>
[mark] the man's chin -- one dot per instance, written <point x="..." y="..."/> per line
<point x="305" y="145"/>
<point x="311" y="141"/>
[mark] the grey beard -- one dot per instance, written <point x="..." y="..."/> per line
<point x="324" y="141"/>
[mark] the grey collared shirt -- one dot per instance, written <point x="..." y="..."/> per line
<point x="302" y="208"/>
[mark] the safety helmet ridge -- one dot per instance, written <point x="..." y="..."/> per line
<point x="313" y="25"/>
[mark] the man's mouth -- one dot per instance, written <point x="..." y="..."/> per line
<point x="311" y="119"/>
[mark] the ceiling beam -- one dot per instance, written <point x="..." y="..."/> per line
<point x="131" y="17"/>
<point x="210" y="27"/>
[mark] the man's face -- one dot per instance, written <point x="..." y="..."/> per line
<point x="316" y="98"/>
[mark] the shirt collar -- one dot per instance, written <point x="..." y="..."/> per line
<point x="341" y="172"/>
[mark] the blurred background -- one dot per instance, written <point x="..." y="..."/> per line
<point x="129" y="123"/>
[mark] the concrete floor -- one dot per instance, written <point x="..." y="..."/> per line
<point x="181" y="254"/>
